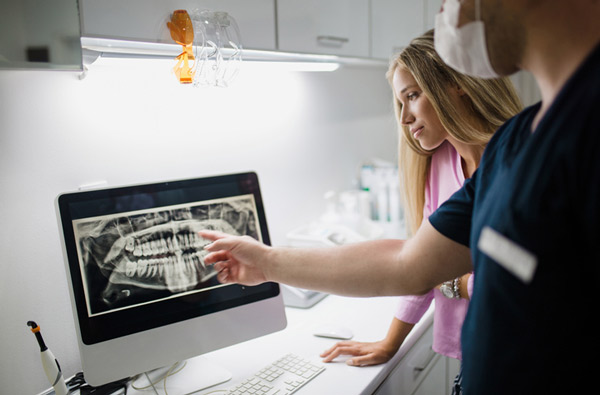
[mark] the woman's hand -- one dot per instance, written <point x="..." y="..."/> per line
<point x="364" y="353"/>
<point x="237" y="259"/>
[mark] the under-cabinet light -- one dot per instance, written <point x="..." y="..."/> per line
<point x="96" y="47"/>
<point x="290" y="66"/>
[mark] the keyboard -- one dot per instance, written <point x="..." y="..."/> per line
<point x="282" y="377"/>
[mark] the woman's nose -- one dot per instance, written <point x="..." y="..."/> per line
<point x="406" y="117"/>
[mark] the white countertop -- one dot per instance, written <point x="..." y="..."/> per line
<point x="369" y="320"/>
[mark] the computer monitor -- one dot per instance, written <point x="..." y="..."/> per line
<point x="142" y="297"/>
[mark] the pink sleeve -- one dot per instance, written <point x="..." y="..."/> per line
<point x="411" y="308"/>
<point x="445" y="177"/>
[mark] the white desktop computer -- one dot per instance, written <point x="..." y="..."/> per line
<point x="142" y="297"/>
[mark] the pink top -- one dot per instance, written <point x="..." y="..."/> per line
<point x="445" y="177"/>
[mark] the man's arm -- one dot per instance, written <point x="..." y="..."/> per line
<point x="372" y="268"/>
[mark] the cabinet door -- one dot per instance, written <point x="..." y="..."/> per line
<point x="145" y="20"/>
<point x="434" y="383"/>
<point x="334" y="27"/>
<point x="412" y="369"/>
<point x="393" y="24"/>
<point x="40" y="35"/>
<point x="433" y="7"/>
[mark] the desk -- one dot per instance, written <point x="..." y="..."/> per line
<point x="368" y="318"/>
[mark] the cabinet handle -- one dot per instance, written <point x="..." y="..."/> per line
<point x="332" y="41"/>
<point x="421" y="360"/>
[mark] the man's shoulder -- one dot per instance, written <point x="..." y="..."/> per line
<point x="517" y="124"/>
<point x="511" y="135"/>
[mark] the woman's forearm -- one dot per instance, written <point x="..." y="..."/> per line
<point x="397" y="333"/>
<point x="464" y="286"/>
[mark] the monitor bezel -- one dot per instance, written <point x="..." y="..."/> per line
<point x="98" y="329"/>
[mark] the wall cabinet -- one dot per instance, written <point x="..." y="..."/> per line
<point x="393" y="24"/>
<point x="361" y="28"/>
<point x="37" y="34"/>
<point x="354" y="28"/>
<point x="333" y="27"/>
<point x="145" y="20"/>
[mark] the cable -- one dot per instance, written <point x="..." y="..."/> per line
<point x="164" y="378"/>
<point x="77" y="382"/>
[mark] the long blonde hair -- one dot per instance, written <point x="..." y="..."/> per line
<point x="488" y="103"/>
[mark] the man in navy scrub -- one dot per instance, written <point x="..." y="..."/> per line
<point x="531" y="215"/>
<point x="527" y="222"/>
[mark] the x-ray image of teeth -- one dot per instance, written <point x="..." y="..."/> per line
<point x="145" y="256"/>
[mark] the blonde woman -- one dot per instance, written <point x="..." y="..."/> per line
<point x="445" y="121"/>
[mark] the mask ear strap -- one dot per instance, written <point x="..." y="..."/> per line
<point x="477" y="10"/>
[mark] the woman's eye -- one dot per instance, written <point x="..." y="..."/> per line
<point x="412" y="96"/>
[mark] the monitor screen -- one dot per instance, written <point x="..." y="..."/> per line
<point x="138" y="278"/>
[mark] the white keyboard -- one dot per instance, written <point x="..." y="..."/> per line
<point x="282" y="377"/>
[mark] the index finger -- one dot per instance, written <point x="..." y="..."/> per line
<point x="332" y="348"/>
<point x="212" y="235"/>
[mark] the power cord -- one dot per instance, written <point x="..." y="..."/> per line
<point x="174" y="369"/>
<point x="78" y="382"/>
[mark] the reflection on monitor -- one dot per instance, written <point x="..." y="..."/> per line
<point x="142" y="296"/>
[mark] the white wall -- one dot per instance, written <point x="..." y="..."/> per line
<point x="302" y="133"/>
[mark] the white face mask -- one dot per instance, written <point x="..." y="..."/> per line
<point x="464" y="49"/>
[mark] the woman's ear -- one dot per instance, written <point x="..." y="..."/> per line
<point x="460" y="91"/>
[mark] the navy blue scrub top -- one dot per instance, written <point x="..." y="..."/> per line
<point x="531" y="216"/>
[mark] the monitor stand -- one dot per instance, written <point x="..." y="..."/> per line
<point x="184" y="378"/>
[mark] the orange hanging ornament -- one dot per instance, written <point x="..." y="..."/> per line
<point x="182" y="32"/>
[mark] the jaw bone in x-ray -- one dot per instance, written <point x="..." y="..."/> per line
<point x="149" y="253"/>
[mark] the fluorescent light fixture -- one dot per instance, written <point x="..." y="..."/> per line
<point x="96" y="47"/>
<point x="290" y="66"/>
